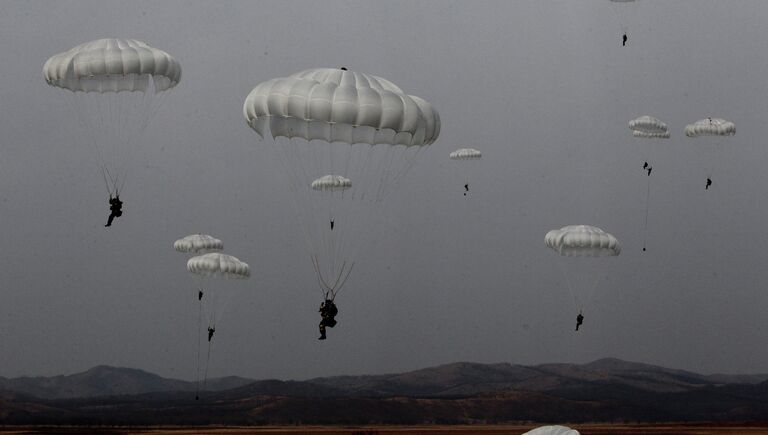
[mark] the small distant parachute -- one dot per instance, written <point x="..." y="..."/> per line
<point x="466" y="154"/>
<point x="710" y="127"/>
<point x="552" y="430"/>
<point x="648" y="127"/>
<point x="582" y="241"/>
<point x="116" y="86"/>
<point x="462" y="156"/>
<point x="198" y="244"/>
<point x="716" y="129"/>
<point x="332" y="183"/>
<point x="581" y="248"/>
<point x="219" y="266"/>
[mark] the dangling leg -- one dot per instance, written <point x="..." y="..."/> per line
<point x="322" y="330"/>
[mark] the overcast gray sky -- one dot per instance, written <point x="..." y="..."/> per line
<point x="543" y="88"/>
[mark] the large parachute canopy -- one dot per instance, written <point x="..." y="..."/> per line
<point x="198" y="244"/>
<point x="582" y="241"/>
<point x="552" y="430"/>
<point x="466" y="154"/>
<point x="218" y="265"/>
<point x="112" y="65"/>
<point x="648" y="127"/>
<point x="116" y="87"/>
<point x="330" y="127"/>
<point x="337" y="105"/>
<point x="710" y="127"/>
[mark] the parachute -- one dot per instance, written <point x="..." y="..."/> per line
<point x="585" y="245"/>
<point x="198" y="244"/>
<point x="344" y="139"/>
<point x="552" y="430"/>
<point x="648" y="127"/>
<point x="219" y="266"/>
<point x="710" y="127"/>
<point x="115" y="87"/>
<point x="716" y="129"/>
<point x="466" y="154"/>
<point x="463" y="156"/>
<point x="582" y="241"/>
<point x="331" y="183"/>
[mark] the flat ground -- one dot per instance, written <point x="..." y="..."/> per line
<point x="584" y="429"/>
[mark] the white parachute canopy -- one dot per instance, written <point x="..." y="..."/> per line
<point x="331" y="183"/>
<point x="198" y="244"/>
<point x="116" y="86"/>
<point x="552" y="430"/>
<point x="582" y="241"/>
<point x="337" y="105"/>
<point x="328" y="127"/>
<point x="710" y="127"/>
<point x="466" y="154"/>
<point x="112" y="65"/>
<point x="577" y="245"/>
<point x="649" y="127"/>
<point x="218" y="265"/>
<point x="462" y="157"/>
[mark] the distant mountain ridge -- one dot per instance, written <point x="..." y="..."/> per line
<point x="603" y="390"/>
<point x="108" y="381"/>
<point x="449" y="380"/>
<point x="463" y="379"/>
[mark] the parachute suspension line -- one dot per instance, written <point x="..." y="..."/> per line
<point x="367" y="165"/>
<point x="285" y="150"/>
<point x="199" y="331"/>
<point x="148" y="108"/>
<point x="207" y="364"/>
<point x="93" y="126"/>
<point x="408" y="159"/>
<point x="341" y="278"/>
<point x="591" y="291"/>
<point x="211" y="324"/>
<point x="570" y="288"/>
<point x="647" y="206"/>
<point x="323" y="286"/>
<point x="384" y="164"/>
<point x="104" y="175"/>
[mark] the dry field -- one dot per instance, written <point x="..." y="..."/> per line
<point x="588" y="429"/>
